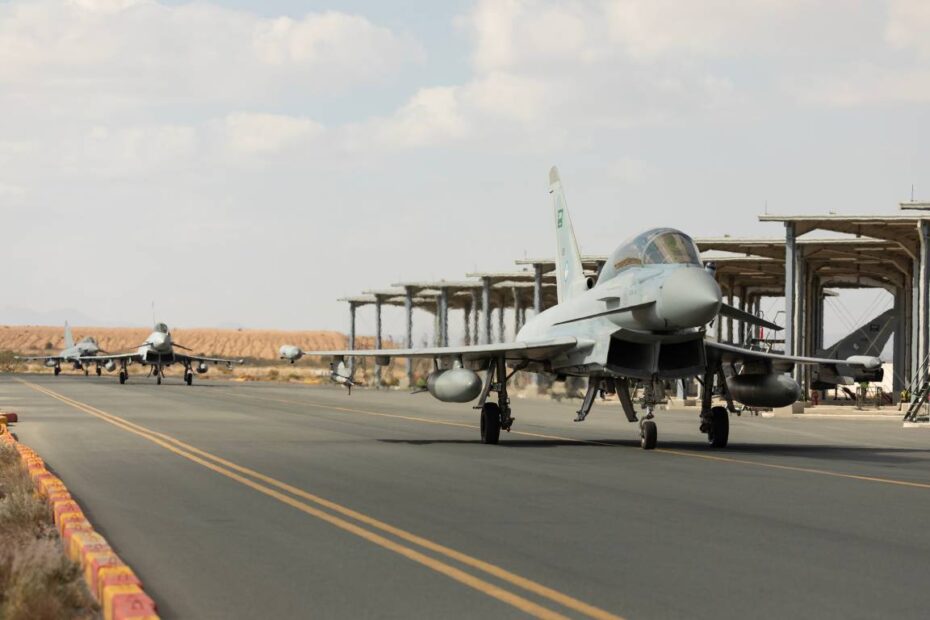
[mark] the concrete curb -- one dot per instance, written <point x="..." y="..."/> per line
<point x="114" y="585"/>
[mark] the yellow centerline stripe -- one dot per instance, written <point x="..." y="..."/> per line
<point x="685" y="453"/>
<point x="190" y="453"/>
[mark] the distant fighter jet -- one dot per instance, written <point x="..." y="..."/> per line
<point x="79" y="355"/>
<point x="864" y="345"/>
<point x="641" y="324"/>
<point x="158" y="352"/>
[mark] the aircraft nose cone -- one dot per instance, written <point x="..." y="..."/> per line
<point x="690" y="297"/>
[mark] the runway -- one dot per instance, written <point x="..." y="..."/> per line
<point x="242" y="500"/>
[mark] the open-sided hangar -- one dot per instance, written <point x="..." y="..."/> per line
<point x="890" y="252"/>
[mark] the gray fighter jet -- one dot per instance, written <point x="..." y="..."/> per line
<point x="636" y="329"/>
<point x="864" y="345"/>
<point x="158" y="352"/>
<point x="80" y="355"/>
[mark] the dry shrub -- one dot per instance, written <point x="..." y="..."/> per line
<point x="37" y="581"/>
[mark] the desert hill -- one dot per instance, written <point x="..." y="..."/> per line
<point x="235" y="343"/>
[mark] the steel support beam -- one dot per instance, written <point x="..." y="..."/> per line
<point x="466" y="314"/>
<point x="516" y="312"/>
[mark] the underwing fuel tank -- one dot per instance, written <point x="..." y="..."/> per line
<point x="455" y="385"/>
<point x="202" y="367"/>
<point x="51" y="363"/>
<point x="764" y="390"/>
<point x="110" y="365"/>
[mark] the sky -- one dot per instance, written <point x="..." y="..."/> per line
<point x="247" y="163"/>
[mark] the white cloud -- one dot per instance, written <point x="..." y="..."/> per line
<point x="111" y="54"/>
<point x="908" y="25"/>
<point x="268" y="133"/>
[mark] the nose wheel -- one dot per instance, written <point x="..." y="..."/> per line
<point x="648" y="432"/>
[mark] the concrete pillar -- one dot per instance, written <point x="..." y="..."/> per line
<point x="516" y="311"/>
<point x="377" y="338"/>
<point x="800" y="301"/>
<point x="474" y="317"/>
<point x="790" y="272"/>
<point x="500" y="324"/>
<point x="743" y="325"/>
<point x="351" y="337"/>
<point x="915" y="330"/>
<point x="486" y="310"/>
<point x="730" y="335"/>
<point x="537" y="288"/>
<point x="408" y="335"/>
<point x="900" y="320"/>
<point x="466" y="314"/>
<point x="443" y="317"/>
<point x="924" y="300"/>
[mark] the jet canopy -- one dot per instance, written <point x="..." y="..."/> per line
<point x="659" y="246"/>
<point x="161" y="328"/>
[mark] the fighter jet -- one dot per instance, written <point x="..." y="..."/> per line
<point x="79" y="355"/>
<point x="158" y="351"/>
<point x="863" y="345"/>
<point x="641" y="325"/>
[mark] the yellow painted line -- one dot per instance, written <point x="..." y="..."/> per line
<point x="382" y="414"/>
<point x="686" y="453"/>
<point x="229" y="469"/>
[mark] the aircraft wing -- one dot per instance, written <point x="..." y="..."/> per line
<point x="32" y="358"/>
<point x="112" y="356"/>
<point x="731" y="353"/>
<point x="538" y="350"/>
<point x="181" y="357"/>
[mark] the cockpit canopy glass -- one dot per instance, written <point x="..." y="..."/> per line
<point x="161" y="328"/>
<point x="659" y="246"/>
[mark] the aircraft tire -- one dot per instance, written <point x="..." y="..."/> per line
<point x="122" y="377"/>
<point x="99" y="371"/>
<point x="490" y="423"/>
<point x="57" y="371"/>
<point x="86" y="372"/>
<point x="719" y="433"/>
<point x="649" y="435"/>
<point x="158" y="380"/>
<point x="189" y="378"/>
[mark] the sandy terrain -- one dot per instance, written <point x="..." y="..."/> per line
<point x="246" y="343"/>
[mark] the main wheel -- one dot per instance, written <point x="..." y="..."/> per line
<point x="99" y="371"/>
<point x="86" y="372"/>
<point x="158" y="379"/>
<point x="649" y="435"/>
<point x="122" y="377"/>
<point x="57" y="371"/>
<point x="490" y="423"/>
<point x="189" y="378"/>
<point x="719" y="432"/>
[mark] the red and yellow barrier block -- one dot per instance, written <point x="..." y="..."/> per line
<point x="115" y="586"/>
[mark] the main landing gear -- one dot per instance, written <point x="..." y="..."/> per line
<point x="123" y="375"/>
<point x="188" y="375"/>
<point x="57" y="370"/>
<point x="715" y="421"/>
<point x="495" y="416"/>
<point x="99" y="371"/>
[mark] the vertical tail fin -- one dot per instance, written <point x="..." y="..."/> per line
<point x="569" y="275"/>
<point x="69" y="339"/>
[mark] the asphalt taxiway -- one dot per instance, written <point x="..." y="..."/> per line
<point x="266" y="500"/>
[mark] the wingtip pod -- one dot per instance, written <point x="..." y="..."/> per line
<point x="554" y="177"/>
